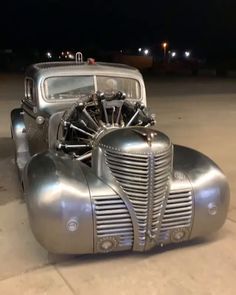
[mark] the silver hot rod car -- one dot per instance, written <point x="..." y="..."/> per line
<point x="97" y="175"/>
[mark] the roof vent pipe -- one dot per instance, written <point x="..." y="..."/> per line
<point x="79" y="57"/>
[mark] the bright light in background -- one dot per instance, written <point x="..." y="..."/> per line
<point x="146" y="51"/>
<point x="140" y="49"/>
<point x="49" y="55"/>
<point x="173" y="54"/>
<point x="71" y="56"/>
<point x="164" y="44"/>
<point x="187" y="53"/>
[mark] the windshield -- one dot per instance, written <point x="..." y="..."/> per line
<point x="72" y="87"/>
<point x="68" y="87"/>
<point x="114" y="84"/>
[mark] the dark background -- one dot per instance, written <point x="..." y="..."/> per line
<point x="206" y="27"/>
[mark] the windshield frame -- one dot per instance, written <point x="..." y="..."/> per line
<point x="43" y="91"/>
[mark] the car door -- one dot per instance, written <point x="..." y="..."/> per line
<point x="36" y="129"/>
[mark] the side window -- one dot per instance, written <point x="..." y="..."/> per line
<point x="29" y="90"/>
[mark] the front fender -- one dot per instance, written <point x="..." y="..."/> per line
<point x="59" y="204"/>
<point x="210" y="190"/>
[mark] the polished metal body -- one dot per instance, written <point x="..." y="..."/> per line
<point x="128" y="188"/>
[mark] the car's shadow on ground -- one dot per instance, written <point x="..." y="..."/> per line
<point x="73" y="260"/>
<point x="6" y="147"/>
<point x="10" y="188"/>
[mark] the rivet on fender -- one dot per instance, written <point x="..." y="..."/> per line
<point x="40" y="120"/>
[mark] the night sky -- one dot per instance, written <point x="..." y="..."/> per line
<point x="208" y="26"/>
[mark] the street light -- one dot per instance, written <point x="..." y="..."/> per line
<point x="49" y="55"/>
<point x="146" y="51"/>
<point x="187" y="54"/>
<point x="164" y="45"/>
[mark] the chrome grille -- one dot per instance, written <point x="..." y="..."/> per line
<point x="113" y="220"/>
<point x="162" y="170"/>
<point x="178" y="212"/>
<point x="144" y="178"/>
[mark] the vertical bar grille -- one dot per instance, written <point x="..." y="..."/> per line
<point x="113" y="220"/>
<point x="162" y="170"/>
<point x="178" y="212"/>
<point x="144" y="179"/>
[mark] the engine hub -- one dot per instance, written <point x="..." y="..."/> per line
<point x="88" y="120"/>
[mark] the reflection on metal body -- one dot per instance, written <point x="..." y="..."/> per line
<point x="18" y="131"/>
<point x="129" y="189"/>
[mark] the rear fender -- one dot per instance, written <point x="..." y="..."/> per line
<point x="18" y="132"/>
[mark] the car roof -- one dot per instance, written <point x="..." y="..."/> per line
<point x="64" y="68"/>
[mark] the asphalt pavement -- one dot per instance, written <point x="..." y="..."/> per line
<point x="196" y="112"/>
